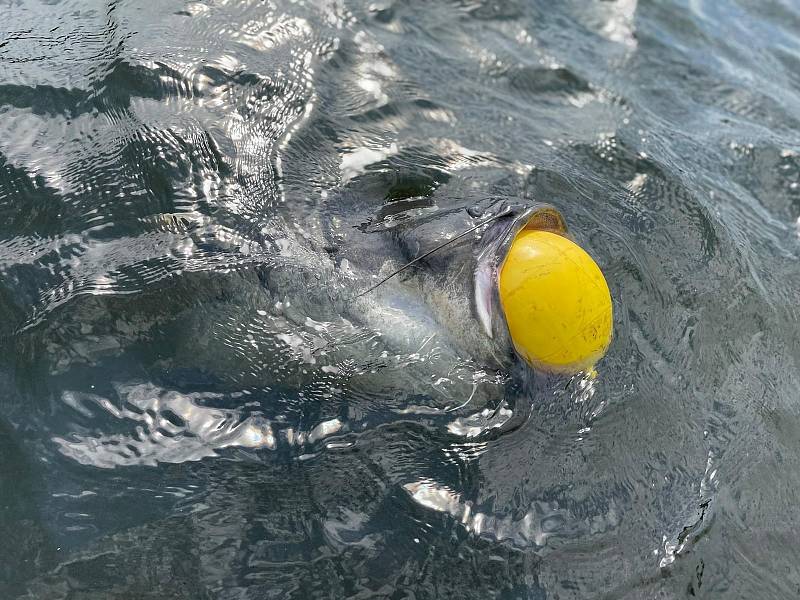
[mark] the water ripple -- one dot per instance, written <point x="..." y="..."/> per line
<point x="198" y="403"/>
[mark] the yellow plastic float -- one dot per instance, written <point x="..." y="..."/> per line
<point x="556" y="302"/>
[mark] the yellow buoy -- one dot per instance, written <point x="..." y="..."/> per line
<point x="556" y="302"/>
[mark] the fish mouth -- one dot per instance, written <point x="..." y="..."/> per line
<point x="499" y="236"/>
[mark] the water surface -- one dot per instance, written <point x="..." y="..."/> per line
<point x="193" y="407"/>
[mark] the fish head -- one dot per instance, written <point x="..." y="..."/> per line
<point x="540" y="293"/>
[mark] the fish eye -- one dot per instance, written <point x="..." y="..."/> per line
<point x="475" y="211"/>
<point x="489" y="206"/>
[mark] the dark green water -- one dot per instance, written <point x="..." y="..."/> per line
<point x="192" y="404"/>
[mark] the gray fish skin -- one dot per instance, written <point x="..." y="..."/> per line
<point x="435" y="297"/>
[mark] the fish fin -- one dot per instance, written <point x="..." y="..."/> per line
<point x="483" y="294"/>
